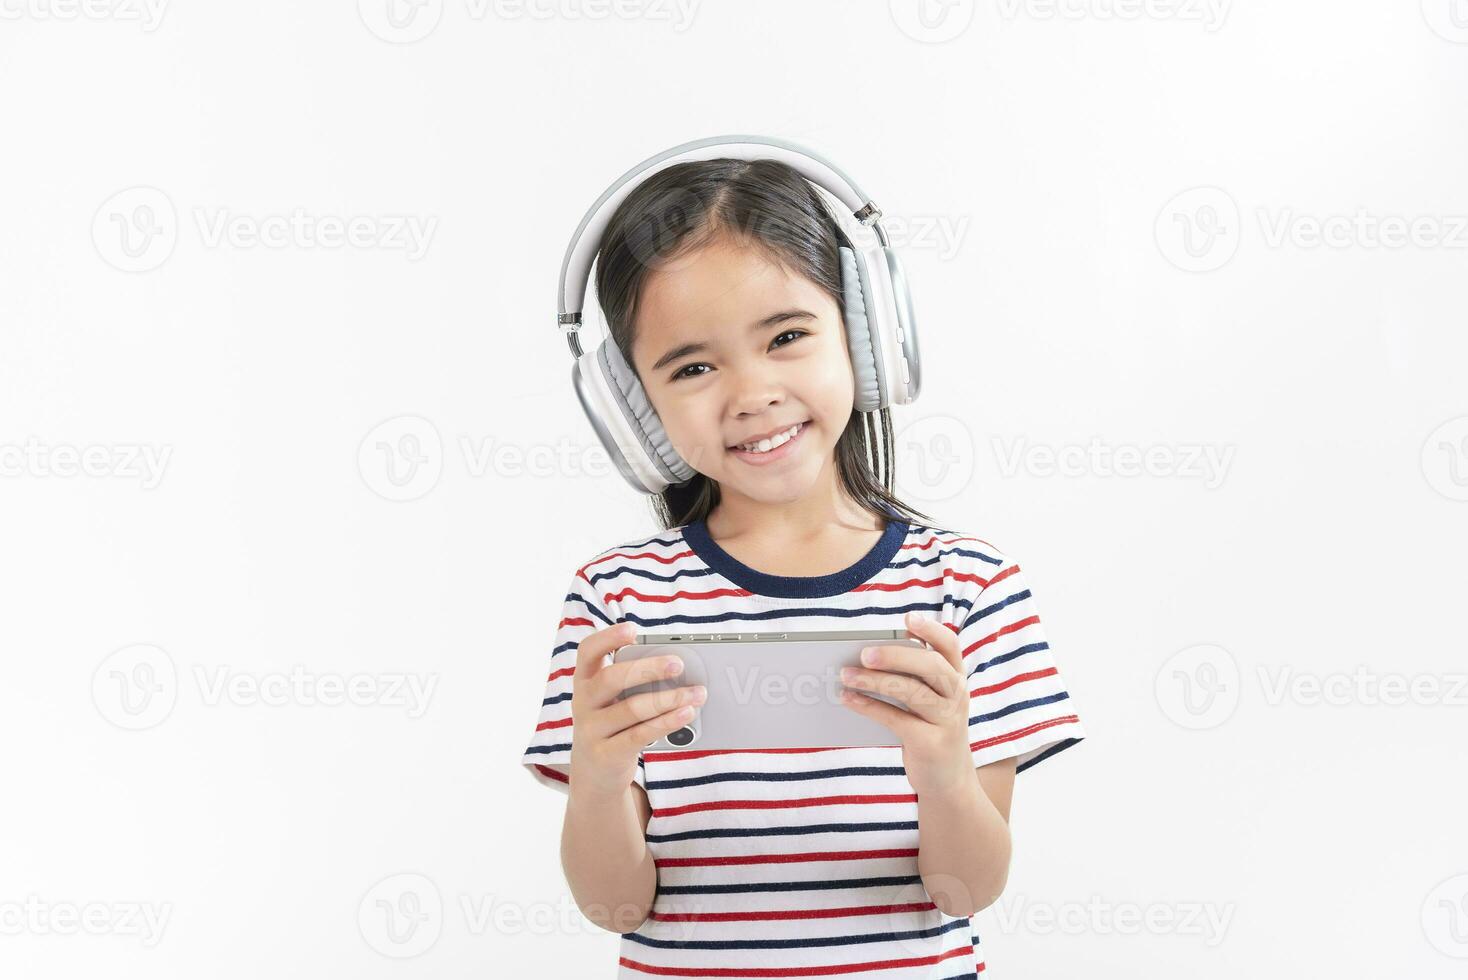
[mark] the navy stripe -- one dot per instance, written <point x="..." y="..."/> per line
<point x="640" y="543"/>
<point x="1058" y="746"/>
<point x="990" y="610"/>
<point x="777" y="777"/>
<point x="1017" y="652"/>
<point x="947" y="553"/>
<point x="810" y="942"/>
<point x="590" y="608"/>
<point x="1018" y="706"/>
<point x="547" y="749"/>
<point x="812" y="612"/>
<point x="788" y="886"/>
<point x="652" y="575"/>
<point x="808" y="828"/>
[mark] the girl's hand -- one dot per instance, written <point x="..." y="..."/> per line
<point x="607" y="734"/>
<point x="934" y="736"/>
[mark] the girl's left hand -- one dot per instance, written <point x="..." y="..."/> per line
<point x="934" y="732"/>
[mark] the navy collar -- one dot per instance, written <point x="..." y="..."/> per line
<point x="798" y="586"/>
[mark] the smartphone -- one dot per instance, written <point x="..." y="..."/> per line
<point x="767" y="690"/>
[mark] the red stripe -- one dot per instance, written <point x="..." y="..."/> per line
<point x="1016" y="679"/>
<point x="1011" y="736"/>
<point x="965" y="577"/>
<point x="772" y="915"/>
<point x="742" y="593"/>
<point x="732" y="859"/>
<point x="663" y="559"/>
<point x="558" y="723"/>
<point x="911" y="583"/>
<point x="862" y="798"/>
<point x="1021" y="624"/>
<point x="573" y="621"/>
<point x="559" y="777"/>
<point x="700" y="753"/>
<point x="947" y="576"/>
<point x="1011" y="570"/>
<point x="712" y="594"/>
<point x="563" y="672"/>
<point x="791" y="971"/>
<point x="952" y="540"/>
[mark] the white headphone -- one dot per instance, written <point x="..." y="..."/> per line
<point x="881" y="332"/>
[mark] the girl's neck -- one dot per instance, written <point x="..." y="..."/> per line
<point x="810" y="519"/>
<point x="794" y="540"/>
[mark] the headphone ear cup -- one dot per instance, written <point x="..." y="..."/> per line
<point x="653" y="448"/>
<point x="904" y="336"/>
<point x="861" y="339"/>
<point x="594" y="394"/>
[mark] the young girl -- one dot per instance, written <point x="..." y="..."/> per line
<point x="782" y="862"/>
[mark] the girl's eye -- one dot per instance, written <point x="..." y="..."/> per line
<point x="679" y="373"/>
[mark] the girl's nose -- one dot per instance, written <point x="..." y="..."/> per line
<point x="755" y="392"/>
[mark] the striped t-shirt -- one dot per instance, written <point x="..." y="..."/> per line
<point x="803" y="862"/>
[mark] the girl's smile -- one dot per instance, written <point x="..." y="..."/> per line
<point x="774" y="454"/>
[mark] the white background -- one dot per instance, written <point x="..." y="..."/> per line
<point x="1069" y="298"/>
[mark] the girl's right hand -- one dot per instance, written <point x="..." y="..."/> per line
<point x="607" y="733"/>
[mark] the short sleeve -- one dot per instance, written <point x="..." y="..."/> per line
<point x="1018" y="701"/>
<point x="547" y="757"/>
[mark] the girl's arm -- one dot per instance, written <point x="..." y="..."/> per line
<point x="963" y="810"/>
<point x="606" y="859"/>
<point x="963" y="839"/>
<point x="604" y="851"/>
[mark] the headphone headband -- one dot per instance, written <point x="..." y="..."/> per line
<point x="576" y="265"/>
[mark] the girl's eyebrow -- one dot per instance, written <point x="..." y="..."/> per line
<point x="683" y="350"/>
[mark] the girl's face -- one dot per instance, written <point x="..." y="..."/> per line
<point x="731" y="347"/>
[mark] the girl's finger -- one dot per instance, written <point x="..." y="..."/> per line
<point x="651" y="705"/>
<point x="937" y="635"/>
<point x="613" y="680"/>
<point x="897" y="721"/>
<point x="930" y="666"/>
<point x="920" y="699"/>
<point x="639" y="737"/>
<point x="592" y="650"/>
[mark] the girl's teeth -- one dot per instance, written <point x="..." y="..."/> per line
<point x="765" y="445"/>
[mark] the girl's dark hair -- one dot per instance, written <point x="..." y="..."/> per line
<point x="763" y="204"/>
